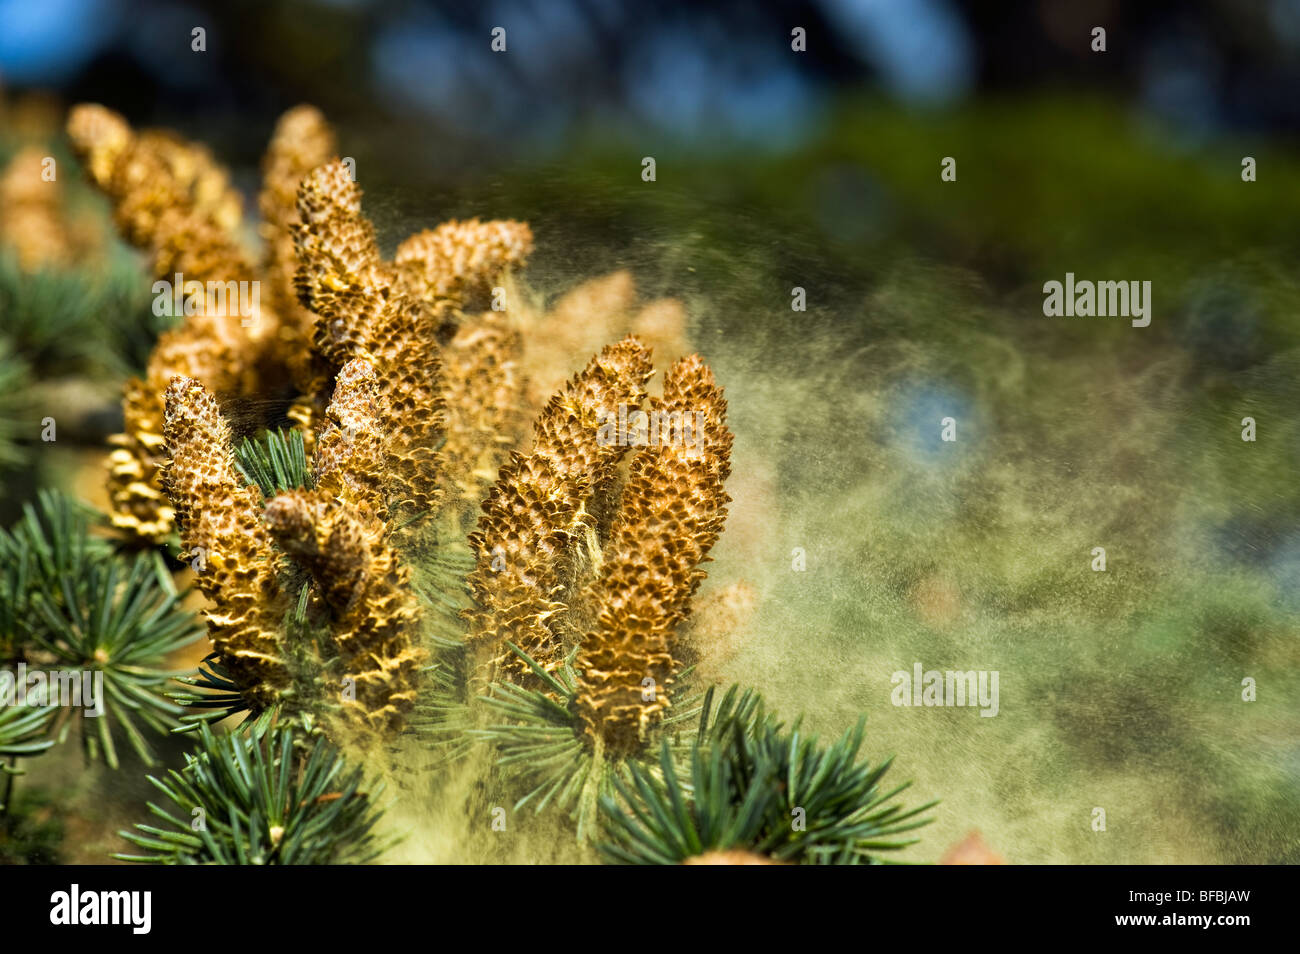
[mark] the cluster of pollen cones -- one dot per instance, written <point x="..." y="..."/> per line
<point x="413" y="381"/>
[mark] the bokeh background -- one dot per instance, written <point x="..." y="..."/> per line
<point x="820" y="169"/>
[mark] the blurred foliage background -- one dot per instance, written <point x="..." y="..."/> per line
<point x="821" y="170"/>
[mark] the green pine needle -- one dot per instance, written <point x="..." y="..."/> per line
<point x="80" y="322"/>
<point x="117" y="620"/>
<point x="542" y="753"/>
<point x="754" y="786"/>
<point x="276" y="462"/>
<point x="210" y="693"/>
<point x="68" y="603"/>
<point x="261" y="797"/>
<point x="15" y="420"/>
<point x="50" y="544"/>
<point x="22" y="728"/>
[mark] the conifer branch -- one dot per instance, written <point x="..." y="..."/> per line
<point x="261" y="797"/>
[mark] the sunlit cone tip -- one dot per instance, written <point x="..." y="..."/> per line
<point x="98" y="136"/>
<point x="302" y="126"/>
<point x="328" y="189"/>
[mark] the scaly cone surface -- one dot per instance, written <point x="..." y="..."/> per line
<point x="340" y="275"/>
<point x="462" y="260"/>
<point x="302" y="140"/>
<point x="672" y="511"/>
<point x="455" y="268"/>
<point x="373" y="610"/>
<point x="173" y="201"/>
<point x="536" y="515"/>
<point x="155" y="180"/>
<point x="404" y="352"/>
<point x="236" y="561"/>
<point x="483" y="392"/>
<point x="598" y="310"/>
<point x="349" y="461"/>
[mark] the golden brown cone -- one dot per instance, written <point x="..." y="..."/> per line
<point x="731" y="856"/>
<point x="971" y="850"/>
<point x="159" y="184"/>
<point x="661" y="324"/>
<point x="462" y="260"/>
<point x="373" y="610"/>
<point x="483" y="388"/>
<point x="349" y="462"/>
<point x="536" y="513"/>
<point x="364" y="315"/>
<point x="715" y="631"/>
<point x="580" y="321"/>
<point x="100" y="138"/>
<point x="672" y="511"/>
<point x="235" y="560"/>
<point x="32" y="220"/>
<point x="171" y="199"/>
<point x="404" y="352"/>
<point x="302" y="141"/>
<point x="207" y="348"/>
<point x="340" y="276"/>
